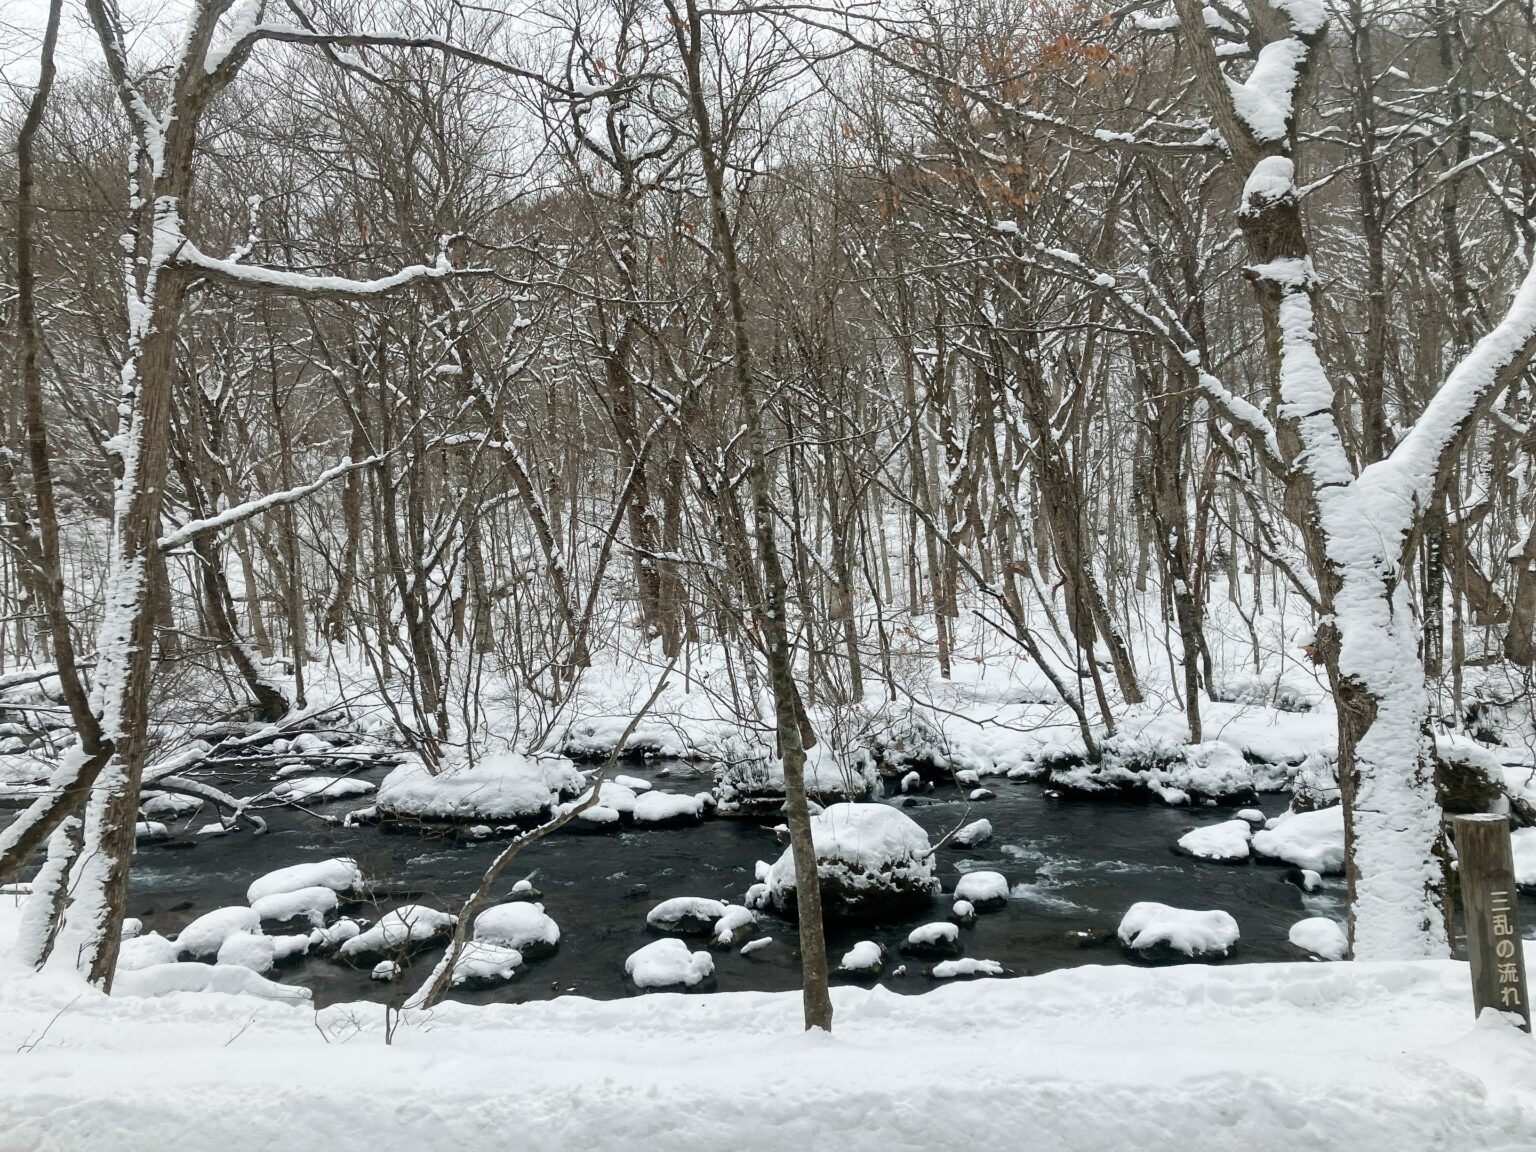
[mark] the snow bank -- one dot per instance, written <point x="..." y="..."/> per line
<point x="668" y="963"/>
<point x="229" y="980"/>
<point x="1313" y="840"/>
<point x="1148" y="927"/>
<point x="507" y="787"/>
<point x="1320" y="936"/>
<point x="1523" y="841"/>
<point x="871" y="859"/>
<point x="1227" y="841"/>
<point x="340" y="874"/>
<point x="750" y="779"/>
<point x="1359" y="1057"/>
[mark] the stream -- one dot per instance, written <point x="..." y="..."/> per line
<point x="1075" y="866"/>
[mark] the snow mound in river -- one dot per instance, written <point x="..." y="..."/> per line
<point x="1225" y="841"/>
<point x="1312" y="840"/>
<point x="870" y="858"/>
<point x="1148" y="925"/>
<point x="340" y="874"/>
<point x="497" y="788"/>
<point x="668" y="963"/>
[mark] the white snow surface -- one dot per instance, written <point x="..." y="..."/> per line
<point x="309" y="789"/>
<point x="1523" y="842"/>
<point x="939" y="932"/>
<point x="976" y="832"/>
<point x="502" y="787"/>
<point x="1360" y="1057"/>
<point x="340" y="874"/>
<point x="669" y="914"/>
<point x="1313" y="840"/>
<point x="484" y="963"/>
<point x="1148" y="923"/>
<point x="966" y="966"/>
<point x="668" y="963"/>
<point x="1225" y="841"/>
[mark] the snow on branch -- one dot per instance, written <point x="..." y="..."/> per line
<point x="195" y="528"/>
<point x="303" y="284"/>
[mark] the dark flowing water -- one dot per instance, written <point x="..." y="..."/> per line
<point x="1076" y="865"/>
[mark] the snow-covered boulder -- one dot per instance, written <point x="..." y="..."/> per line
<point x="312" y="905"/>
<point x="1312" y="840"/>
<point x="751" y="780"/>
<point x="686" y="914"/>
<point x="228" y="980"/>
<point x="258" y="953"/>
<point x="318" y="789"/>
<point x="1226" y="842"/>
<point x="340" y="874"/>
<point x="974" y="833"/>
<point x="168" y="804"/>
<point x="670" y="808"/>
<point x="872" y="860"/>
<point x="966" y="968"/>
<point x="1324" y="938"/>
<point x="518" y="924"/>
<point x="206" y="935"/>
<point x="753" y="946"/>
<point x="507" y="788"/>
<point x="963" y="912"/>
<point x="668" y="963"/>
<point x="735" y="925"/>
<point x="481" y="964"/>
<point x="984" y="891"/>
<point x="941" y="938"/>
<point x="1155" y="931"/>
<point x="399" y="932"/>
<point x="865" y="959"/>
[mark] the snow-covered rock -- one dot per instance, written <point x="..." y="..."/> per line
<point x="633" y="783"/>
<point x="974" y="833"/>
<point x="518" y="924"/>
<point x="385" y="971"/>
<point x="1226" y="842"/>
<point x="966" y="968"/>
<point x="340" y="874"/>
<point x="984" y="891"/>
<point x="481" y="964"/>
<point x="668" y="963"/>
<point x="310" y="904"/>
<point x="400" y="931"/>
<point x="1320" y="936"/>
<point x="872" y="859"/>
<point x="735" y="925"/>
<point x="169" y="804"/>
<point x="1153" y="763"/>
<point x="941" y="938"/>
<point x="507" y="788"/>
<point x="866" y="958"/>
<point x="1312" y="840"/>
<point x="688" y="914"/>
<point x="963" y="912"/>
<point x="669" y="808"/>
<point x="1151" y="929"/>
<point x="315" y="789"/>
<point x="757" y="945"/>
<point x="145" y="951"/>
<point x="206" y="935"/>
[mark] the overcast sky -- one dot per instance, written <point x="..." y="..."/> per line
<point x="152" y="24"/>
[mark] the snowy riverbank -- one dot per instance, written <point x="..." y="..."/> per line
<point x="1258" y="1057"/>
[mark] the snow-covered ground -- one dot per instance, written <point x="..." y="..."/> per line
<point x="1262" y="1058"/>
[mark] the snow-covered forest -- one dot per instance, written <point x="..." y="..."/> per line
<point x="789" y="502"/>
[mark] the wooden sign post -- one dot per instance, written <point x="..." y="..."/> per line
<point x="1488" y="901"/>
